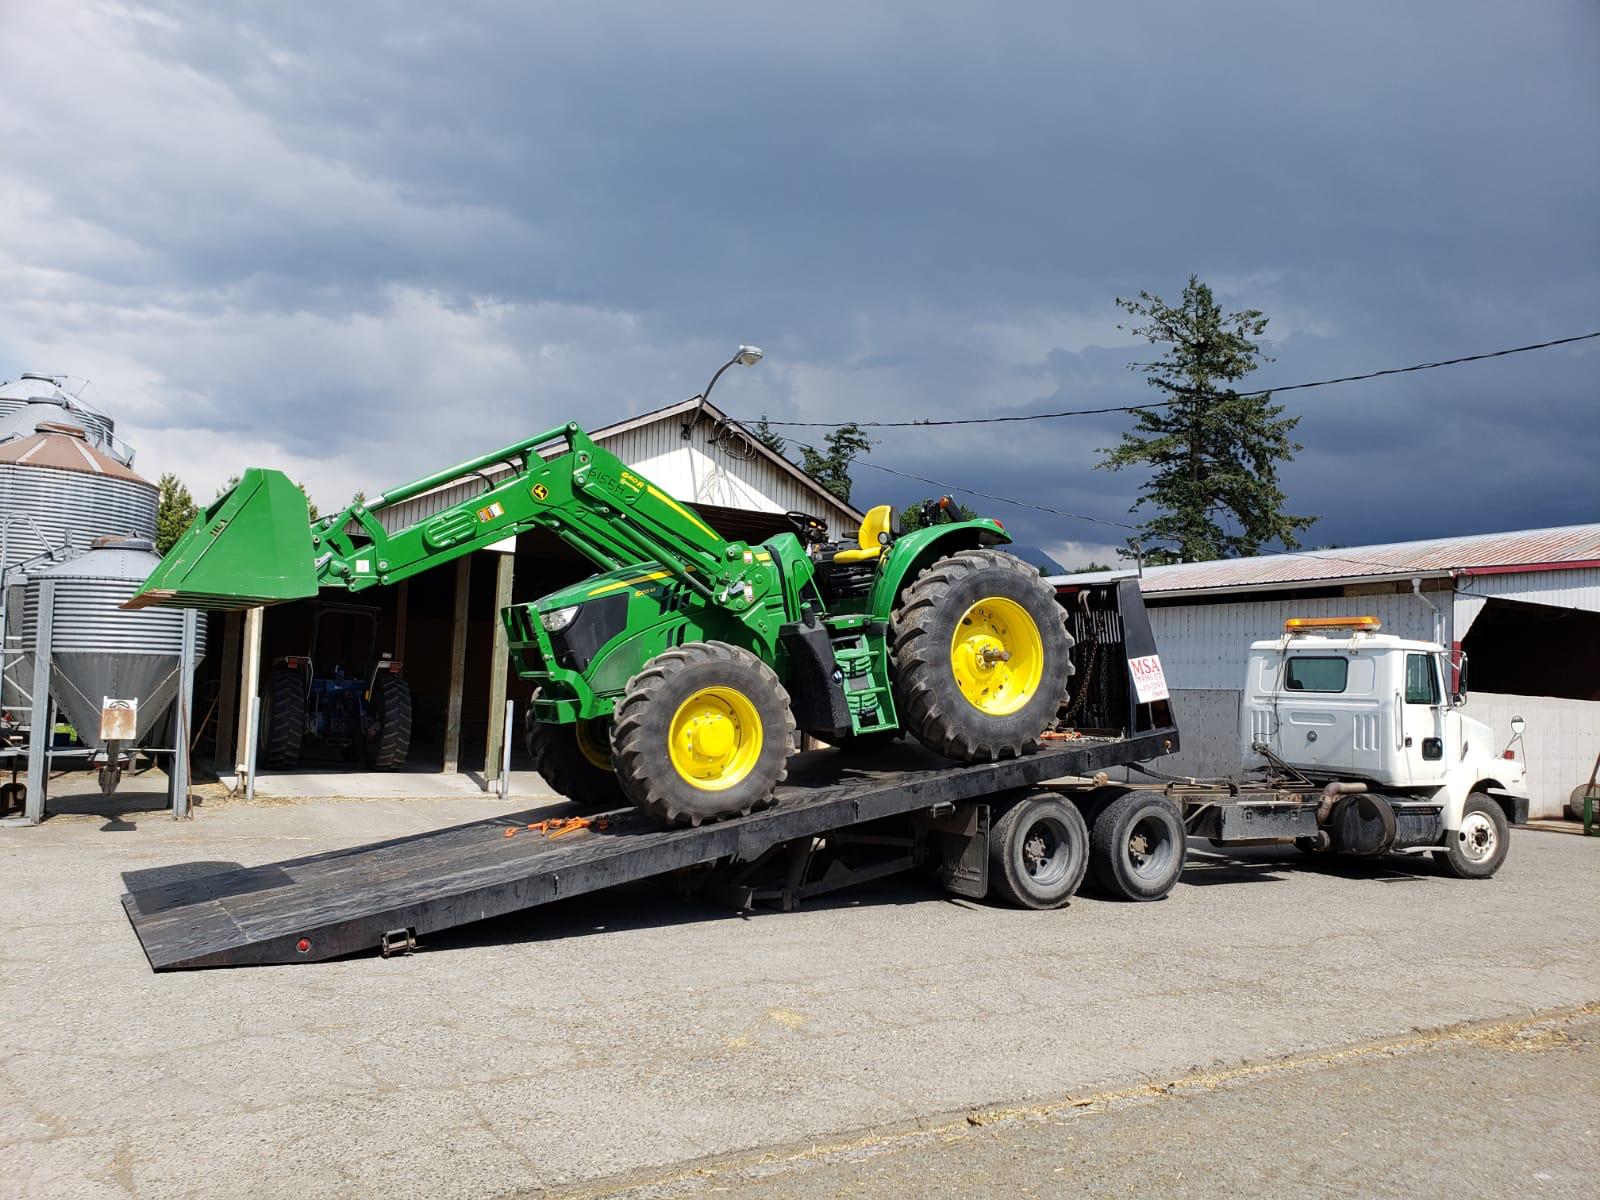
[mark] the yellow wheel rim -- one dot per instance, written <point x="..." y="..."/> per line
<point x="594" y="743"/>
<point x="715" y="738"/>
<point x="997" y="656"/>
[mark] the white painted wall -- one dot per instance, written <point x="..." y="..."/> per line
<point x="1559" y="744"/>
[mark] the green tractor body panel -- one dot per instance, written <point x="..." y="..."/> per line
<point x="913" y="551"/>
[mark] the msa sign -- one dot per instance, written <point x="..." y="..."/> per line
<point x="1149" y="681"/>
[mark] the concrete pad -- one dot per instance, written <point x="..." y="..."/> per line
<point x="630" y="1030"/>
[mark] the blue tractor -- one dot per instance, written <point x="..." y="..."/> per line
<point x="356" y="710"/>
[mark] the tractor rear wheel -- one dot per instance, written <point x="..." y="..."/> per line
<point x="704" y="731"/>
<point x="981" y="656"/>
<point x="575" y="760"/>
<point x="283" y="717"/>
<point x="388" y="723"/>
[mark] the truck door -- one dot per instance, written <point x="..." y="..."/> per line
<point x="1422" y="720"/>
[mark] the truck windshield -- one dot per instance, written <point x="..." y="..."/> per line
<point x="1305" y="673"/>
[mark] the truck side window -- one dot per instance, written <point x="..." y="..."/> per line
<point x="1305" y="673"/>
<point x="1422" y="681"/>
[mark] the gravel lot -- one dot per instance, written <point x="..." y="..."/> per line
<point x="606" y="1042"/>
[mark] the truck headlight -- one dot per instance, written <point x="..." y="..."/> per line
<point x="558" y="619"/>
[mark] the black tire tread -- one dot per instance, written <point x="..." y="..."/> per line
<point x="1003" y="883"/>
<point x="389" y="749"/>
<point x="1105" y="847"/>
<point x="284" y="728"/>
<point x="561" y="763"/>
<point x="639" y="761"/>
<point x="921" y="664"/>
<point x="1460" y="867"/>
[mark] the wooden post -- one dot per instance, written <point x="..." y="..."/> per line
<point x="458" y="666"/>
<point x="499" y="664"/>
<point x="249" y="688"/>
<point x="402" y="605"/>
<point x="228" y="696"/>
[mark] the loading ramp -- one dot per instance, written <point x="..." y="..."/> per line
<point x="385" y="895"/>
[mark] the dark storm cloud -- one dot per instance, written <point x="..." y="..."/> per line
<point x="323" y="228"/>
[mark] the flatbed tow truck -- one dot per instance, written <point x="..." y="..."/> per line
<point x="1024" y="831"/>
<point x="949" y="680"/>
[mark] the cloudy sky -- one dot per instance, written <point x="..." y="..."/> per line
<point x="362" y="241"/>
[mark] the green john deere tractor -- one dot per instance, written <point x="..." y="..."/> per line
<point x="678" y="677"/>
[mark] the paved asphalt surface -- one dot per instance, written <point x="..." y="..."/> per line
<point x="635" y="1044"/>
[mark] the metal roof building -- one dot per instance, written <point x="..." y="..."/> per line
<point x="1523" y="607"/>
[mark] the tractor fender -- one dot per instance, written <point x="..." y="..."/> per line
<point x="914" y="552"/>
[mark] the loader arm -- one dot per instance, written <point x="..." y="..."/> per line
<point x="257" y="545"/>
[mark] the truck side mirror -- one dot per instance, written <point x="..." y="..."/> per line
<point x="1459" y="696"/>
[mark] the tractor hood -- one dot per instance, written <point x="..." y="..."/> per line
<point x="606" y="584"/>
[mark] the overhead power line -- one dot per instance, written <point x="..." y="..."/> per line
<point x="1190" y="394"/>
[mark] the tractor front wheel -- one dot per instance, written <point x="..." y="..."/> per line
<point x="575" y="760"/>
<point x="704" y="731"/>
<point x="981" y="656"/>
<point x="388" y="723"/>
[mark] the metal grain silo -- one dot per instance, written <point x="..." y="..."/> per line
<point x="98" y="650"/>
<point x="57" y="490"/>
<point x="43" y="392"/>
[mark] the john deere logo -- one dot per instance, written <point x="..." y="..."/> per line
<point x="540" y="492"/>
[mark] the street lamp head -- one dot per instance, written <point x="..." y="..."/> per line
<point x="748" y="356"/>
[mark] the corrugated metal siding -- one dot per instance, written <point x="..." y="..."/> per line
<point x="1205" y="645"/>
<point x="1562" y="589"/>
<point x="1569" y="543"/>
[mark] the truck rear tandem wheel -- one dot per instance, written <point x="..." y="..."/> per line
<point x="1137" y="847"/>
<point x="1038" y="850"/>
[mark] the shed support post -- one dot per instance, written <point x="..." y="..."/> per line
<point x="249" y="689"/>
<point x="402" y="606"/>
<point x="228" y="696"/>
<point x="458" y="665"/>
<point x="178" y="777"/>
<point x="41" y="731"/>
<point x="499" y="664"/>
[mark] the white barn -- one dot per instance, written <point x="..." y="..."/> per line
<point x="1523" y="607"/>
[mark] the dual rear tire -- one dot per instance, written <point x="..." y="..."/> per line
<point x="1041" y="848"/>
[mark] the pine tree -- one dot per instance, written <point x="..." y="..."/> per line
<point x="1214" y="453"/>
<point x="831" y="467"/>
<point x="175" y="511"/>
<point x="764" y="433"/>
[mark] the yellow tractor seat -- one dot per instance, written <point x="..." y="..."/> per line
<point x="877" y="531"/>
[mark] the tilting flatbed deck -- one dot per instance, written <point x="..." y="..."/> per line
<point x="352" y="900"/>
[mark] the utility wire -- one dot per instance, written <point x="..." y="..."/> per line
<point x="1186" y="393"/>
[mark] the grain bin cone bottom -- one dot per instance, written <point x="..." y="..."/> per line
<point x="250" y="547"/>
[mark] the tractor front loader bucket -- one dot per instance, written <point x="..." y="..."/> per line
<point x="251" y="546"/>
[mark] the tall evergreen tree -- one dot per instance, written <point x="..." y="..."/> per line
<point x="767" y="436"/>
<point x="1213" y="453"/>
<point x="175" y="511"/>
<point x="831" y="466"/>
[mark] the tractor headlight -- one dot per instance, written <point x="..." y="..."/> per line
<point x="558" y="619"/>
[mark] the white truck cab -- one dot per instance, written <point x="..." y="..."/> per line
<point x="1340" y="701"/>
